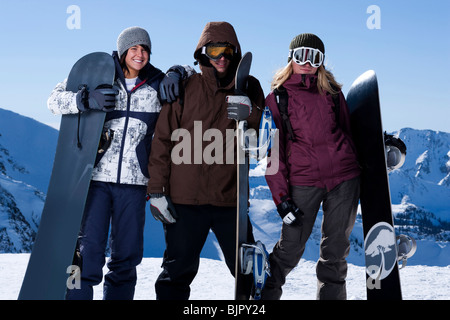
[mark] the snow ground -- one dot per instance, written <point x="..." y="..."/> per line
<point x="214" y="281"/>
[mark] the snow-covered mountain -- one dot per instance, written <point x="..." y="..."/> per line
<point x="420" y="193"/>
<point x="422" y="186"/>
<point x="27" y="149"/>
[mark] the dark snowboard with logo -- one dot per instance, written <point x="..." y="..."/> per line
<point x="50" y="262"/>
<point x="242" y="282"/>
<point x="383" y="281"/>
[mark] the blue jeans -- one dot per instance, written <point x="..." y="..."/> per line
<point x="123" y="208"/>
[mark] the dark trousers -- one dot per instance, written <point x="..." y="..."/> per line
<point x="122" y="207"/>
<point x="339" y="213"/>
<point x="184" y="242"/>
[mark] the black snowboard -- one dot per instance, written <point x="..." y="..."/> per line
<point x="50" y="262"/>
<point x="382" y="276"/>
<point x="241" y="286"/>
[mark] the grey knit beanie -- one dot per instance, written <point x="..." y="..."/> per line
<point x="131" y="37"/>
<point x="307" y="40"/>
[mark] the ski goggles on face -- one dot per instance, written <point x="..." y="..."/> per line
<point x="215" y="51"/>
<point x="304" y="55"/>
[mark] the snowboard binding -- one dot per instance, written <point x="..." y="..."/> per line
<point x="395" y="152"/>
<point x="255" y="259"/>
<point x="258" y="145"/>
<point x="406" y="247"/>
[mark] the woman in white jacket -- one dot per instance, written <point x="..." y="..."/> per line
<point x="117" y="193"/>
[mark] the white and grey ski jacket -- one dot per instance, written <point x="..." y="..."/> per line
<point x="133" y="121"/>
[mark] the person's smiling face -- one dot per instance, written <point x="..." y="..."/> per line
<point x="221" y="66"/>
<point x="136" y="59"/>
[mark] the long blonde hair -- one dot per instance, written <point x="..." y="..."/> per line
<point x="325" y="79"/>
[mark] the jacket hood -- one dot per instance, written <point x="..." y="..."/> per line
<point x="217" y="32"/>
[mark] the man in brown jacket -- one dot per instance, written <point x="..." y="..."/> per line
<point x="192" y="165"/>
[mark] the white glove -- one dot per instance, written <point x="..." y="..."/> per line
<point x="239" y="107"/>
<point x="162" y="208"/>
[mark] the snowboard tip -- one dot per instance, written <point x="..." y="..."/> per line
<point x="366" y="76"/>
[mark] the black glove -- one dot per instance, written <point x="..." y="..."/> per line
<point x="289" y="212"/>
<point x="169" y="87"/>
<point x="239" y="107"/>
<point x="102" y="98"/>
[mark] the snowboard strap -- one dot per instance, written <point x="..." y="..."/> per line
<point x="84" y="100"/>
<point x="255" y="260"/>
<point x="282" y="99"/>
<point x="78" y="131"/>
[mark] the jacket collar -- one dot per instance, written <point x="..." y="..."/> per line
<point x="301" y="81"/>
<point x="210" y="75"/>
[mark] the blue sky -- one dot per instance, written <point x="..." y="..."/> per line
<point x="410" y="52"/>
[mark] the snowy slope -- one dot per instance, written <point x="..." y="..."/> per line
<point x="20" y="211"/>
<point x="424" y="179"/>
<point x="418" y="282"/>
<point x="420" y="194"/>
<point x="27" y="149"/>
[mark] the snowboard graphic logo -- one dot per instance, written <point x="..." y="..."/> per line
<point x="380" y="250"/>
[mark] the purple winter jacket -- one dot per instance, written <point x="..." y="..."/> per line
<point x="322" y="155"/>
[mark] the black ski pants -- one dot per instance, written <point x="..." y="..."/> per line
<point x="339" y="213"/>
<point x="184" y="243"/>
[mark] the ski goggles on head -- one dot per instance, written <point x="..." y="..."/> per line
<point x="303" y="55"/>
<point x="215" y="51"/>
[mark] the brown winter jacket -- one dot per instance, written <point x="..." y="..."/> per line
<point x="180" y="163"/>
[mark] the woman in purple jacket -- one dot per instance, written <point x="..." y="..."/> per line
<point x="317" y="165"/>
